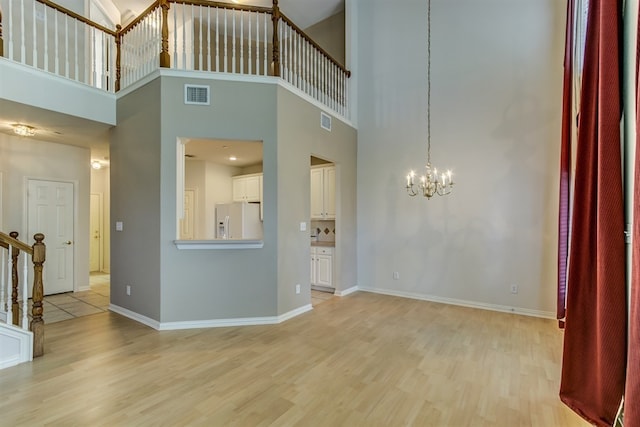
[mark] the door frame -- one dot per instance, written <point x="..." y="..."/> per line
<point x="100" y="230"/>
<point x="76" y="230"/>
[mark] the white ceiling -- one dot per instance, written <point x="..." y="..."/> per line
<point x="247" y="153"/>
<point x="303" y="13"/>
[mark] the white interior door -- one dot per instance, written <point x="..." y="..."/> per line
<point x="50" y="206"/>
<point x="187" y="223"/>
<point x="95" y="229"/>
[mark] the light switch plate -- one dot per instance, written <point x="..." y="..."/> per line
<point x="303" y="226"/>
<point x="118" y="225"/>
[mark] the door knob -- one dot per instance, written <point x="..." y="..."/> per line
<point x="68" y="242"/>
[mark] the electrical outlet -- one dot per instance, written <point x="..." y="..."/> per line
<point x="396" y="275"/>
<point x="128" y="289"/>
<point x="297" y="289"/>
<point x="514" y="289"/>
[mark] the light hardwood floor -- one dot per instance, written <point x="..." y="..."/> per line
<point x="361" y="360"/>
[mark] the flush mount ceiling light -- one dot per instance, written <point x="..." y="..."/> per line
<point x="24" y="130"/>
<point x="233" y="158"/>
<point x="430" y="182"/>
<point x="96" y="164"/>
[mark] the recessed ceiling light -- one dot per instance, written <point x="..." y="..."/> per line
<point x="233" y="158"/>
<point x="24" y="130"/>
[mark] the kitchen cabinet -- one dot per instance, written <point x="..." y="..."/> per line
<point x="322" y="267"/>
<point x="247" y="188"/>
<point x="323" y="192"/>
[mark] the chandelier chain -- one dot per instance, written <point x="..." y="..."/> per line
<point x="428" y="82"/>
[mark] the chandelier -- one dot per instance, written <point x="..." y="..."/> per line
<point x="431" y="182"/>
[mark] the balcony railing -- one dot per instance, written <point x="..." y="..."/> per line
<point x="193" y="35"/>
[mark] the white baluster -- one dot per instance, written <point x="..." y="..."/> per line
<point x="46" y="38"/>
<point x="281" y="47"/>
<point x="66" y="45"/>
<point x="266" y="65"/>
<point x="75" y="37"/>
<point x="25" y="292"/>
<point x="2" y="283"/>
<point x="184" y="39"/>
<point x="192" y="45"/>
<point x="249" y="58"/>
<point x="241" y="42"/>
<point x="208" y="39"/>
<point x="257" y="44"/>
<point x="217" y="39"/>
<point x="10" y="31"/>
<point x="35" y="37"/>
<point x="23" y="48"/>
<point x="56" y="43"/>
<point x="233" y="50"/>
<point x="92" y="38"/>
<point x="9" y="287"/>
<point x="226" y="58"/>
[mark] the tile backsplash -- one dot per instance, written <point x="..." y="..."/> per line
<point x="324" y="230"/>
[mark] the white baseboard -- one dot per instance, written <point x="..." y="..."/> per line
<point x="346" y="291"/>
<point x="213" y="323"/>
<point x="135" y="316"/>
<point x="462" y="303"/>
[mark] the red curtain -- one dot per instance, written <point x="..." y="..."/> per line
<point x="565" y="166"/>
<point x="632" y="390"/>
<point x="594" y="359"/>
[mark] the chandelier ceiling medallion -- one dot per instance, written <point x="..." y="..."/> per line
<point x="431" y="182"/>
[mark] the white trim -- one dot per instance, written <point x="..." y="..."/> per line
<point x="25" y="343"/>
<point x="219" y="244"/>
<point x="135" y="316"/>
<point x="463" y="303"/>
<point x="214" y="323"/>
<point x="347" y="291"/>
<point x="212" y="75"/>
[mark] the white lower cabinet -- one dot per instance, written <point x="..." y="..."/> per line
<point x="322" y="266"/>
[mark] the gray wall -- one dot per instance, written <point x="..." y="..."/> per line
<point x="24" y="158"/>
<point x="329" y="34"/>
<point x="218" y="284"/>
<point x="496" y="98"/>
<point x="136" y="201"/>
<point x="299" y="137"/>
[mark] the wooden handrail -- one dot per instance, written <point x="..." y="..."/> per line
<point x="6" y="238"/>
<point x="143" y="15"/>
<point x="224" y="5"/>
<point x="314" y="44"/>
<point x="76" y="16"/>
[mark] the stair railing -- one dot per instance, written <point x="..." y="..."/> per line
<point x="10" y="291"/>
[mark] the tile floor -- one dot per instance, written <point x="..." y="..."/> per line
<point x="96" y="300"/>
<point x="76" y="304"/>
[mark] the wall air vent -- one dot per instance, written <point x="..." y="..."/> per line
<point x="196" y="94"/>
<point x="325" y="121"/>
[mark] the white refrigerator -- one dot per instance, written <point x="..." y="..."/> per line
<point x="239" y="220"/>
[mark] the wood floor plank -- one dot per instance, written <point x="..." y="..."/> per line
<point x="361" y="360"/>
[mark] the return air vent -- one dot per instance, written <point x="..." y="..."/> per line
<point x="196" y="94"/>
<point x="325" y="121"/>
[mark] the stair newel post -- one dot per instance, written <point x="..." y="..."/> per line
<point x="118" y="55"/>
<point x="1" y="41"/>
<point x="37" y="323"/>
<point x="165" y="59"/>
<point x="15" y="307"/>
<point x="275" y="18"/>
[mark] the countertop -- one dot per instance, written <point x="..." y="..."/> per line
<point x="324" y="244"/>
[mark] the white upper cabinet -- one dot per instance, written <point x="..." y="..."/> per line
<point x="323" y="192"/>
<point x="247" y="188"/>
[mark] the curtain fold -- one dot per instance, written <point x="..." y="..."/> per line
<point x="632" y="389"/>
<point x="594" y="358"/>
<point x="565" y="164"/>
